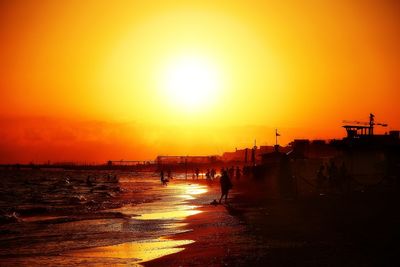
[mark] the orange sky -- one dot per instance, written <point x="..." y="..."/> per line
<point x="88" y="80"/>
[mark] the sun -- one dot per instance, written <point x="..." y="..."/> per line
<point x="191" y="83"/>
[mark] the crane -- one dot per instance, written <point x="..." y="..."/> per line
<point x="366" y="125"/>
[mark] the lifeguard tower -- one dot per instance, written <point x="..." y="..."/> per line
<point x="357" y="129"/>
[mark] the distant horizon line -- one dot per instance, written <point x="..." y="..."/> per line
<point x="91" y="163"/>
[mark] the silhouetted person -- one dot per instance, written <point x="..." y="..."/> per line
<point x="163" y="180"/>
<point x="197" y="173"/>
<point x="226" y="185"/>
<point x="246" y="171"/>
<point x="89" y="181"/>
<point x="112" y="178"/>
<point x="208" y="175"/>
<point x="238" y="173"/>
<point x="212" y="173"/>
<point x="231" y="172"/>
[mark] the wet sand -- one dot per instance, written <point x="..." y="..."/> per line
<point x="221" y="239"/>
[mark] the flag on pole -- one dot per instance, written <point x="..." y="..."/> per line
<point x="276" y="137"/>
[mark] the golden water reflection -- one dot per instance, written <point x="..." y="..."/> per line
<point x="196" y="190"/>
<point x="142" y="251"/>
<point x="179" y="210"/>
<point x="186" y="197"/>
<point x="173" y="214"/>
<point x="173" y="206"/>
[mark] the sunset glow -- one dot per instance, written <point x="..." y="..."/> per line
<point x="143" y="78"/>
<point x="199" y="132"/>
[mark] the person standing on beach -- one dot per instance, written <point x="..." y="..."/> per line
<point x="208" y="175"/>
<point x="213" y="172"/>
<point x="226" y="185"/>
<point x="163" y="181"/>
<point x="231" y="172"/>
<point x="238" y="173"/>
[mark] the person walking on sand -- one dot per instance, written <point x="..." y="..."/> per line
<point x="226" y="185"/>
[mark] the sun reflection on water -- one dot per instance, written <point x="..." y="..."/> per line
<point x="174" y="207"/>
<point x="179" y="210"/>
<point x="186" y="197"/>
<point x="195" y="189"/>
<point x="174" y="214"/>
<point x="141" y="251"/>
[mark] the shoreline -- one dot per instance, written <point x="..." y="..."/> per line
<point x="220" y="237"/>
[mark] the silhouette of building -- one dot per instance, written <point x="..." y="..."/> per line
<point x="187" y="159"/>
<point x="367" y="158"/>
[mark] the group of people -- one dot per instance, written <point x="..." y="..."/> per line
<point x="225" y="178"/>
<point x="91" y="179"/>
<point x="164" y="181"/>
<point x="210" y="174"/>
